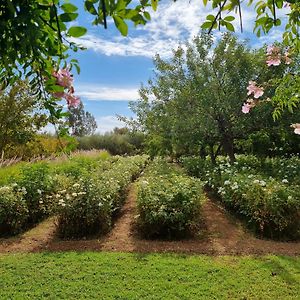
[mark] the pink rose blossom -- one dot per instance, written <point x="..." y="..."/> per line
<point x="296" y="126"/>
<point x="256" y="90"/>
<point x="72" y="100"/>
<point x="63" y="78"/>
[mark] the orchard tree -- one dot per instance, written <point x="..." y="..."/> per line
<point x="194" y="101"/>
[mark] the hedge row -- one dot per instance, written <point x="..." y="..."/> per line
<point x="169" y="202"/>
<point x="28" y="195"/>
<point x="270" y="205"/>
<point x="87" y="206"/>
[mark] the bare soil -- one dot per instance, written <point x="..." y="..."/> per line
<point x="220" y="234"/>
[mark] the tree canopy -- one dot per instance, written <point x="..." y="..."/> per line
<point x="194" y="103"/>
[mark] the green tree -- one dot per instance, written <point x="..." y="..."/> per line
<point x="194" y="103"/>
<point x="20" y="115"/>
<point x="80" y="121"/>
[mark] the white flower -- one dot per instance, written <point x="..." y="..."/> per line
<point x="76" y="185"/>
<point x="262" y="183"/>
<point x="290" y="197"/>
<point x="74" y="194"/>
<point x="285" y="180"/>
<point x="256" y="181"/>
<point x="39" y="191"/>
<point x="226" y="182"/>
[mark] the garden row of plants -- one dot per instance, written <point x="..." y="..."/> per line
<point x="32" y="192"/>
<point x="265" y="193"/>
<point x="168" y="201"/>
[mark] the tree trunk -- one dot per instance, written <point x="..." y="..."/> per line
<point x="227" y="143"/>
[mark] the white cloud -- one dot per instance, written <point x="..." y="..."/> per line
<point x="98" y="92"/>
<point x="172" y="24"/>
<point x="108" y="123"/>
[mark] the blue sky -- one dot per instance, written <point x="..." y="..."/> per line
<point x="113" y="67"/>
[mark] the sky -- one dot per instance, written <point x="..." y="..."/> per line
<point x="113" y="67"/>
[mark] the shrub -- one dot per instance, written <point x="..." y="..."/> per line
<point x="83" y="207"/>
<point x="37" y="183"/>
<point x="169" y="204"/>
<point x="13" y="210"/>
<point x="87" y="206"/>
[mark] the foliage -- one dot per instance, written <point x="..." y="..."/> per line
<point x="264" y="192"/>
<point x="117" y="144"/>
<point x="13" y="210"/>
<point x="41" y="146"/>
<point x="168" y="202"/>
<point x="36" y="181"/>
<point x="48" y="44"/>
<point x="194" y="102"/>
<point x="20" y="117"/>
<point x="80" y="121"/>
<point x="87" y="206"/>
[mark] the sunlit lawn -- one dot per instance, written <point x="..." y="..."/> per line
<point x="91" y="275"/>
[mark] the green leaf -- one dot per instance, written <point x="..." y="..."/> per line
<point x="206" y="25"/>
<point x="229" y="26"/>
<point x="154" y="4"/>
<point x="69" y="8"/>
<point x="210" y="17"/>
<point x="229" y="18"/>
<point x="121" y="25"/>
<point x="89" y="6"/>
<point x="147" y="15"/>
<point x="77" y="31"/>
<point x="68" y="17"/>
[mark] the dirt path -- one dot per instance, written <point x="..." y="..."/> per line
<point x="32" y="240"/>
<point x="220" y="234"/>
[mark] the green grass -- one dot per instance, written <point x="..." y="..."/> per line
<point x="90" y="275"/>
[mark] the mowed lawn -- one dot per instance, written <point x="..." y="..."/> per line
<point x="92" y="275"/>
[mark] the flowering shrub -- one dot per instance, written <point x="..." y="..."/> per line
<point x="264" y="192"/>
<point x="13" y="210"/>
<point x="168" y="204"/>
<point x="37" y="183"/>
<point x="86" y="206"/>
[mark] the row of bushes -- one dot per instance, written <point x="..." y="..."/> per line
<point x="168" y="201"/>
<point x="25" y="197"/>
<point x="87" y="206"/>
<point x="270" y="205"/>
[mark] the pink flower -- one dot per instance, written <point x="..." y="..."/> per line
<point x="296" y="126"/>
<point x="72" y="100"/>
<point x="273" y="56"/>
<point x="256" y="90"/>
<point x="273" y="61"/>
<point x="287" y="58"/>
<point x="246" y="108"/>
<point x="250" y="103"/>
<point x="63" y="78"/>
<point x="58" y="95"/>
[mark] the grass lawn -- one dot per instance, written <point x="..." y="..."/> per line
<point x="92" y="275"/>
